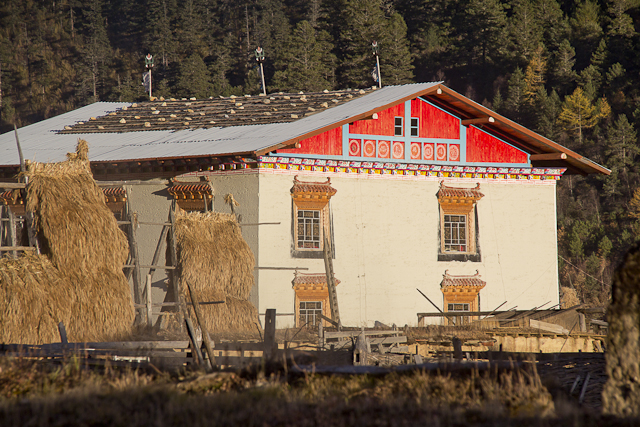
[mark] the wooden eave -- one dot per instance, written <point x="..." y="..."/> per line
<point x="513" y="133"/>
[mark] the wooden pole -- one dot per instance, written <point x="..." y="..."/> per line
<point x="269" y="333"/>
<point x="148" y="299"/>
<point x="135" y="255"/>
<point x="331" y="282"/>
<point x="194" y="342"/>
<point x="200" y="319"/>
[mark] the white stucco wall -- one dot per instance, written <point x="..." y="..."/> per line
<point x="386" y="243"/>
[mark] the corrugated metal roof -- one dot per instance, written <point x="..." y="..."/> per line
<point x="40" y="142"/>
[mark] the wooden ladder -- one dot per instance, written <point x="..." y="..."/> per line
<point x="331" y="282"/>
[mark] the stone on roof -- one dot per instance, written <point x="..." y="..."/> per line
<point x="175" y="114"/>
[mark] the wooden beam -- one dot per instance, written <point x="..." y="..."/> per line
<point x="548" y="156"/>
<point x="478" y="120"/>
<point x="13" y="185"/>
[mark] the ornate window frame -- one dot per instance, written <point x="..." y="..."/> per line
<point x="458" y="201"/>
<point x="461" y="290"/>
<point x="311" y="288"/>
<point x="311" y="196"/>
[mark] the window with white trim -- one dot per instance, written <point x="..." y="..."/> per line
<point x="414" y="126"/>
<point x="458" y="223"/>
<point x="398" y="126"/>
<point x="309" y="233"/>
<point x="457" y="307"/>
<point x="311" y="221"/>
<point x="455" y="233"/>
<point x="309" y="313"/>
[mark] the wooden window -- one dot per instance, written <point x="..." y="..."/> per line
<point x="311" y="217"/>
<point x="309" y="313"/>
<point x="457" y="307"/>
<point x="461" y="294"/>
<point x="309" y="229"/>
<point x="455" y="233"/>
<point x="415" y="126"/>
<point x="312" y="298"/>
<point x="458" y="223"/>
<point x="398" y="126"/>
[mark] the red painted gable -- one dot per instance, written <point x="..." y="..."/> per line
<point x="482" y="147"/>
<point x="383" y="125"/>
<point x="434" y="123"/>
<point x="328" y="143"/>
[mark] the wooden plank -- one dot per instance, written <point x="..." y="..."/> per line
<point x="323" y="317"/>
<point x="549" y="327"/>
<point x="134" y="182"/>
<point x="259" y="223"/>
<point x="479" y="120"/>
<point x="13" y="185"/>
<point x="269" y="332"/>
<point x="349" y="334"/>
<point x="16" y="248"/>
<point x="239" y="346"/>
<point x="281" y="268"/>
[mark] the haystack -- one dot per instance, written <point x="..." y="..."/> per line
<point x="31" y="293"/>
<point x="80" y="275"/>
<point x="217" y="262"/>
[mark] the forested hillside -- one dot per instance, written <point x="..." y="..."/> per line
<point x="566" y="69"/>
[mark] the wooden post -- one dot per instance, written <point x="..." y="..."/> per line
<point x="200" y="319"/>
<point x="331" y="281"/>
<point x="12" y="232"/>
<point x="457" y="349"/>
<point x="63" y="333"/>
<point x="320" y="336"/>
<point x="135" y="257"/>
<point x="583" y="322"/>
<point x="194" y="341"/>
<point x="173" y="251"/>
<point x="148" y="301"/>
<point x="269" y="333"/>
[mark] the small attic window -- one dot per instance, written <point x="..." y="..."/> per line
<point x="414" y="126"/>
<point x="398" y="126"/>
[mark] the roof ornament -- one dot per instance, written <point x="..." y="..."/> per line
<point x="260" y="58"/>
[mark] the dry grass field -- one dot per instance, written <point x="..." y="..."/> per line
<point x="38" y="393"/>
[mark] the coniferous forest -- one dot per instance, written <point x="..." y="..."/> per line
<point x="569" y="70"/>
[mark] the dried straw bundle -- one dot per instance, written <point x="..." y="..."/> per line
<point x="213" y="254"/>
<point x="218" y="264"/>
<point x="71" y="213"/>
<point x="33" y="300"/>
<point x="84" y="284"/>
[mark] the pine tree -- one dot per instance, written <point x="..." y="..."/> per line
<point x="622" y="148"/>
<point x="620" y="23"/>
<point x="96" y="51"/>
<point x="526" y="31"/>
<point x="365" y="23"/>
<point x="516" y="101"/>
<point x="396" y="67"/>
<point x="158" y="35"/>
<point x="547" y="109"/>
<point x="564" y="61"/>
<point x="307" y="62"/>
<point x="485" y="29"/>
<point x="587" y="30"/>
<point x="194" y="78"/>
